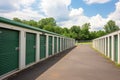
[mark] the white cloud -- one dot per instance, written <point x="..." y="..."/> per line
<point x="14" y="5"/>
<point x="97" y="22"/>
<point x="60" y="10"/>
<point x="76" y="12"/>
<point x="96" y="1"/>
<point x="26" y="2"/>
<point x="23" y="14"/>
<point x="19" y="8"/>
<point x="77" y="17"/>
<point x="116" y="14"/>
<point x="57" y="8"/>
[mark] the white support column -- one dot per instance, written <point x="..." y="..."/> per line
<point x="112" y="48"/>
<point x="108" y="46"/>
<point x="57" y="43"/>
<point x="47" y="46"/>
<point x="105" y="46"/>
<point x="22" y="50"/>
<point x="118" y="48"/>
<point x="37" y="47"/>
<point x="53" y="45"/>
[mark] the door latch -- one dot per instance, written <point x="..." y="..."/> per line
<point x="17" y="48"/>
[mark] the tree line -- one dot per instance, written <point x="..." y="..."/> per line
<point x="76" y="32"/>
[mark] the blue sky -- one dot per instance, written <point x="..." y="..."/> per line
<point x="93" y="9"/>
<point x="66" y="12"/>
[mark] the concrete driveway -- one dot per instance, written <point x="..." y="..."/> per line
<point x="80" y="63"/>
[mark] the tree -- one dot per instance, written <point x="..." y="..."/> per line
<point x="46" y="21"/>
<point x="96" y="34"/>
<point x="85" y="34"/>
<point x="17" y="19"/>
<point x="110" y="26"/>
<point x="75" y="32"/>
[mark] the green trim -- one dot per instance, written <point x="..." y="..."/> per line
<point x="8" y="21"/>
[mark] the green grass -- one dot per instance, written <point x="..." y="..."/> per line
<point x="106" y="57"/>
<point x="84" y="43"/>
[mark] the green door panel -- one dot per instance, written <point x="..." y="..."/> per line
<point x="42" y="46"/>
<point x="30" y="48"/>
<point x="55" y="44"/>
<point x="9" y="54"/>
<point x="106" y="46"/>
<point x="116" y="48"/>
<point x="62" y="44"/>
<point x="59" y="44"/>
<point x="50" y="45"/>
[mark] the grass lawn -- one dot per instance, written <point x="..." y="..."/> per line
<point x="83" y="43"/>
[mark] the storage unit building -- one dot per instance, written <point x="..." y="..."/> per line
<point x="109" y="45"/>
<point x="22" y="45"/>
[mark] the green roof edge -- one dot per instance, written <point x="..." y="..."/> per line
<point x="5" y="20"/>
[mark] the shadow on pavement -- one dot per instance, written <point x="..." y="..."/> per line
<point x="36" y="70"/>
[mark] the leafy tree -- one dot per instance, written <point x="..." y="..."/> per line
<point x="110" y="26"/>
<point x="96" y="34"/>
<point x="46" y="22"/>
<point x="75" y="32"/>
<point x="85" y="34"/>
<point x="17" y="19"/>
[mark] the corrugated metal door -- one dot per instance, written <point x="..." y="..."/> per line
<point x="42" y="46"/>
<point x="9" y="54"/>
<point x="59" y="45"/>
<point x="106" y="46"/>
<point x="110" y="47"/>
<point x="55" y="44"/>
<point x="50" y="45"/>
<point x="116" y="48"/>
<point x="30" y="48"/>
<point x="62" y="44"/>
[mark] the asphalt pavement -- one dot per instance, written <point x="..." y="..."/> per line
<point x="79" y="63"/>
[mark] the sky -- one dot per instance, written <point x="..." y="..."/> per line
<point x="66" y="12"/>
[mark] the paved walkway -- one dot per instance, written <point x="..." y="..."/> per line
<point x="81" y="63"/>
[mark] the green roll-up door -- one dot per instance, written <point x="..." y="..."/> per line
<point x="115" y="48"/>
<point x="9" y="54"/>
<point x="59" y="45"/>
<point x="55" y="44"/>
<point x="30" y="48"/>
<point x="42" y="46"/>
<point x="64" y="44"/>
<point x="110" y="47"/>
<point x="106" y="46"/>
<point x="50" y="45"/>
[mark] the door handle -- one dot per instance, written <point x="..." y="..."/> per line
<point x="17" y="48"/>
